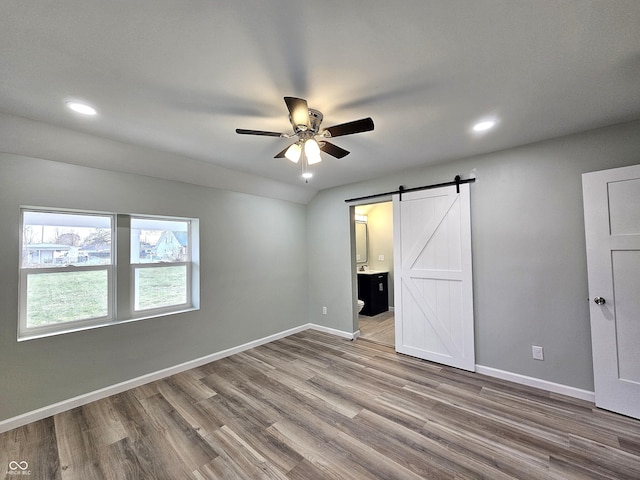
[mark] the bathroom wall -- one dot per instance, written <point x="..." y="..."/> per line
<point x="380" y="226"/>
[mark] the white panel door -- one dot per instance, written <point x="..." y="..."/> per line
<point x="433" y="284"/>
<point x="612" y="230"/>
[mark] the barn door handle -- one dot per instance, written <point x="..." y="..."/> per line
<point x="599" y="300"/>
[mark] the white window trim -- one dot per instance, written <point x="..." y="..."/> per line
<point x="25" y="332"/>
<point x="120" y="274"/>
<point x="150" y="312"/>
<point x="144" y="312"/>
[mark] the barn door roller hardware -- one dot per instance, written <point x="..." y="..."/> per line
<point x="457" y="181"/>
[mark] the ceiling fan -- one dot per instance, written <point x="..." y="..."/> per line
<point x="311" y="139"/>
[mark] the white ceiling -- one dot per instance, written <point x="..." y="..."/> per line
<point x="181" y="76"/>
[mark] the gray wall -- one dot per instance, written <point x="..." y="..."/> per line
<point x="253" y="280"/>
<point x="269" y="265"/>
<point x="529" y="260"/>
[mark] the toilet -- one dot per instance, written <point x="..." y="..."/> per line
<point x="360" y="305"/>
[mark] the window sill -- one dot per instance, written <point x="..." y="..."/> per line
<point x="72" y="329"/>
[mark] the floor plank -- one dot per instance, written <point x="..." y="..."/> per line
<point x="379" y="328"/>
<point x="316" y="406"/>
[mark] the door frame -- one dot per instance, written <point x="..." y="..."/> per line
<point x="354" y="269"/>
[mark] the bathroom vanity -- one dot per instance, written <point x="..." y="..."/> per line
<point x="373" y="290"/>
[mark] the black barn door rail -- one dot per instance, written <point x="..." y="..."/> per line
<point x="457" y="181"/>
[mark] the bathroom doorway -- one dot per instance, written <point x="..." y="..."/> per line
<point x="373" y="259"/>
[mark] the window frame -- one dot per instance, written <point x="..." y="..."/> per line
<point x="25" y="332"/>
<point x="144" y="312"/>
<point x="156" y="311"/>
<point x="120" y="276"/>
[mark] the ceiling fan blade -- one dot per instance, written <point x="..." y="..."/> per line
<point x="357" y="126"/>
<point x="298" y="112"/>
<point x="242" y="131"/>
<point x="333" y="150"/>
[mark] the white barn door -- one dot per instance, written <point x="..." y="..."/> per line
<point x="612" y="229"/>
<point x="433" y="282"/>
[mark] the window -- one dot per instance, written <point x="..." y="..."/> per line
<point x="160" y="261"/>
<point x="66" y="270"/>
<point x="69" y="272"/>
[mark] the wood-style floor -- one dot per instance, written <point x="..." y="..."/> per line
<point x="314" y="406"/>
<point x="379" y="328"/>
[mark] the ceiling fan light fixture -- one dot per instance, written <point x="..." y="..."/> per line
<point x="307" y="175"/>
<point x="312" y="151"/>
<point x="293" y="152"/>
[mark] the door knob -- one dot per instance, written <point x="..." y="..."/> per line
<point x="599" y="300"/>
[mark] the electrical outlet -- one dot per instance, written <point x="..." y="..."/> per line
<point x="537" y="352"/>
<point x="381" y="258"/>
<point x="324" y="310"/>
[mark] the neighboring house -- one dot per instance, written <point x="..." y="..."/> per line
<point x="47" y="253"/>
<point x="171" y="246"/>
<point x="53" y="253"/>
<point x="97" y="250"/>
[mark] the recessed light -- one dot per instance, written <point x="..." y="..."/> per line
<point x="484" y="125"/>
<point x="487" y="123"/>
<point x="82" y="108"/>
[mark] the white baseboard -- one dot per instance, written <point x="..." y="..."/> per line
<point x="537" y="383"/>
<point x="333" y="331"/>
<point x="63" y="406"/>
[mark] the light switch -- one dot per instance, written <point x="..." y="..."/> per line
<point x="537" y="352"/>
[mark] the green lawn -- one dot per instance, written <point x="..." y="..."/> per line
<point x="161" y="287"/>
<point x="68" y="296"/>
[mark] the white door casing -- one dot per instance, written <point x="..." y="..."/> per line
<point x="433" y="277"/>
<point x="612" y="231"/>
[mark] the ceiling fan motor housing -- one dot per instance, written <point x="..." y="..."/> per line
<point x="315" y="119"/>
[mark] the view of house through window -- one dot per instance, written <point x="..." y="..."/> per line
<point x="66" y="263"/>
<point x="68" y="271"/>
<point x="160" y="257"/>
